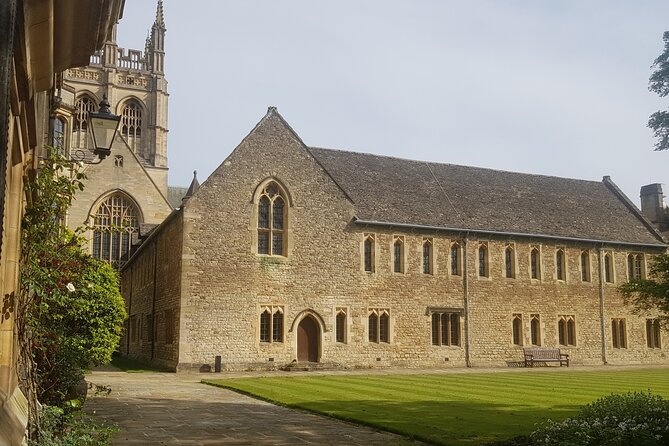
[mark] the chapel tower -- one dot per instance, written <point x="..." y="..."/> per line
<point x="127" y="190"/>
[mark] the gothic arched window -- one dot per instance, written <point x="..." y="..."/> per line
<point x="116" y="221"/>
<point x="131" y="122"/>
<point x="83" y="106"/>
<point x="272" y="213"/>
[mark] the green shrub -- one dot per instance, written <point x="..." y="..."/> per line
<point x="74" y="429"/>
<point x="637" y="418"/>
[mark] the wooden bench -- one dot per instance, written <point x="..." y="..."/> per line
<point x="533" y="355"/>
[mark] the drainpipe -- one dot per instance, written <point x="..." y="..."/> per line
<point x="127" y="336"/>
<point x="465" y="288"/>
<point x="153" y="303"/>
<point x="602" y="319"/>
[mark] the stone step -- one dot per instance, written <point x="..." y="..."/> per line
<point x="312" y="366"/>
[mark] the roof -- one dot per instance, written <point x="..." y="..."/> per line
<point x="175" y="194"/>
<point x="390" y="190"/>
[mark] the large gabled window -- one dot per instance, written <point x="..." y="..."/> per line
<point x="272" y="217"/>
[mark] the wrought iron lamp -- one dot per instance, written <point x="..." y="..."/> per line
<point x="103" y="126"/>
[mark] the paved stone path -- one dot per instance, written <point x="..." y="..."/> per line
<point x="170" y="409"/>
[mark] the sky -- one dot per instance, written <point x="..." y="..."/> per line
<point x="545" y="87"/>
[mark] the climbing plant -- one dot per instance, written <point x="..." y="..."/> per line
<point x="70" y="311"/>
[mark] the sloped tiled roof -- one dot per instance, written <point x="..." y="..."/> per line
<point x="417" y="193"/>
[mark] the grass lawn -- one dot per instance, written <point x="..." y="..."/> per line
<point x="452" y="409"/>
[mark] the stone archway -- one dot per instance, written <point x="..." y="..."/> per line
<point x="308" y="340"/>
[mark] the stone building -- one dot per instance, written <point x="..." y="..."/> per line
<point x="127" y="193"/>
<point x="38" y="40"/>
<point x="295" y="253"/>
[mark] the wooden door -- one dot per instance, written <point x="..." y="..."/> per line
<point x="308" y="338"/>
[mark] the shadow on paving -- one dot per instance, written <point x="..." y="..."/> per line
<point x="154" y="421"/>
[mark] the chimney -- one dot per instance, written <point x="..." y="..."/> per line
<point x="652" y="204"/>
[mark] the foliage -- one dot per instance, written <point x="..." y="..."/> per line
<point x="74" y="429"/>
<point x="636" y="418"/>
<point x="651" y="294"/>
<point x="70" y="311"/>
<point x="659" y="83"/>
<point x="454" y="409"/>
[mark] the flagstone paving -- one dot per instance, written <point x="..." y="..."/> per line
<point x="171" y="409"/>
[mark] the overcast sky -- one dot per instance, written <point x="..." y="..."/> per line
<point x="546" y="87"/>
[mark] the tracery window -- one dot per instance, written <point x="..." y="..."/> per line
<point x="340" y="325"/>
<point x="560" y="264"/>
<point x="483" y="260"/>
<point x="455" y="259"/>
<point x="653" y="338"/>
<point x="535" y="263"/>
<point x="368" y="253"/>
<point x="517" y="329"/>
<point x="566" y="330"/>
<point x="131" y="122"/>
<point x="509" y="262"/>
<point x="635" y="266"/>
<point x="427" y="256"/>
<point x="585" y="266"/>
<point x="446" y="328"/>
<point x="116" y="223"/>
<point x="83" y="106"/>
<point x="535" y="329"/>
<point x="272" y="221"/>
<point x="398" y="254"/>
<point x="608" y="268"/>
<point x="379" y="325"/>
<point x="271" y="324"/>
<point x="618" y="333"/>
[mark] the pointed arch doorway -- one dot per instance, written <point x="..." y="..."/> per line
<point x="308" y="340"/>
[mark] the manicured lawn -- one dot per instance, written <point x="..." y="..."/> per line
<point x="453" y="409"/>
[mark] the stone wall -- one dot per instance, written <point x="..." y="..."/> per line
<point x="225" y="283"/>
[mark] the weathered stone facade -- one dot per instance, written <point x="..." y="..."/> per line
<point x="214" y="284"/>
<point x="136" y="171"/>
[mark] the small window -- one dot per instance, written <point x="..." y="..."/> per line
<point x="509" y="262"/>
<point x="272" y="221"/>
<point x="585" y="266"/>
<point x="446" y="328"/>
<point x="379" y="325"/>
<point x="483" y="260"/>
<point x="368" y="247"/>
<point x="535" y="263"/>
<point x="58" y="133"/>
<point x="271" y="324"/>
<point x="567" y="330"/>
<point x="398" y="254"/>
<point x="455" y="259"/>
<point x="118" y="161"/>
<point x="340" y="325"/>
<point x="635" y="266"/>
<point x="653" y="338"/>
<point x="535" y="329"/>
<point x="517" y="328"/>
<point x="608" y="268"/>
<point x="427" y="256"/>
<point x="618" y="333"/>
<point x="560" y="265"/>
